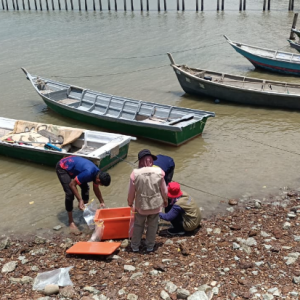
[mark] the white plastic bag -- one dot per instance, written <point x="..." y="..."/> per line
<point x="131" y="222"/>
<point x="98" y="232"/>
<point x="60" y="277"/>
<point x="89" y="213"/>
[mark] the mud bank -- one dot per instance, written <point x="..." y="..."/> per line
<point x="251" y="252"/>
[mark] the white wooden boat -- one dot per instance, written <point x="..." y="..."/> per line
<point x="47" y="144"/>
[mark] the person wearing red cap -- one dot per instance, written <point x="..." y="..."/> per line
<point x="184" y="213"/>
<point x="148" y="192"/>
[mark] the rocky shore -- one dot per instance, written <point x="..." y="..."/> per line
<point x="250" y="252"/>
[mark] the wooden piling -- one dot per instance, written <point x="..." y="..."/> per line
<point x="147" y="5"/>
<point x="47" y="6"/>
<point x="23" y="3"/>
<point x="244" y="7"/>
<point x="100" y="5"/>
<point x="292" y="5"/>
<point x="177" y="4"/>
<point x="165" y="5"/>
<point x="125" y="8"/>
<point x="52" y="1"/>
<point x="269" y="4"/>
<point x="41" y="8"/>
<point x="218" y="5"/>
<point x="35" y="5"/>
<point x="240" y="5"/>
<point x="29" y="5"/>
<point x="264" y="6"/>
<point x="132" y="8"/>
<point x="158" y="5"/>
<point x="197" y="5"/>
<point x="85" y="5"/>
<point x="72" y="6"/>
<point x="289" y="7"/>
<point x="202" y="5"/>
<point x="141" y="3"/>
<point x="13" y="3"/>
<point x="79" y="5"/>
<point x="108" y="4"/>
<point x="292" y="35"/>
<point x="59" y="7"/>
<point x="6" y="5"/>
<point x="66" y="5"/>
<point x="17" y="3"/>
<point x="94" y="5"/>
<point x="222" y="5"/>
<point x="116" y="6"/>
<point x="183" y="5"/>
<point x="3" y="7"/>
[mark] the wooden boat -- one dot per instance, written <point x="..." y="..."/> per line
<point x="238" y="89"/>
<point x="294" y="45"/>
<point x="164" y="123"/>
<point x="271" y="60"/>
<point x="47" y="144"/>
<point x="296" y="31"/>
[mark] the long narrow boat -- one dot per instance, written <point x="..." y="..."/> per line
<point x="238" y="89"/>
<point x="294" y="45"/>
<point x="271" y="60"/>
<point x="164" y="123"/>
<point x="296" y="31"/>
<point x="47" y="144"/>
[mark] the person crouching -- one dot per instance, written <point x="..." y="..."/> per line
<point x="183" y="212"/>
<point x="148" y="191"/>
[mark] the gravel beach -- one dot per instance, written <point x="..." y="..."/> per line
<point x="250" y="252"/>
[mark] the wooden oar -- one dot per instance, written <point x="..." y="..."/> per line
<point x="184" y="118"/>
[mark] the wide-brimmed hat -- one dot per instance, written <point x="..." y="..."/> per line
<point x="174" y="190"/>
<point x="145" y="152"/>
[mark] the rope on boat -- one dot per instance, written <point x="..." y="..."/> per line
<point x="191" y="187"/>
<point x="163" y="54"/>
<point x="122" y="73"/>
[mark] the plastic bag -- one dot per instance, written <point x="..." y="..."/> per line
<point x="60" y="277"/>
<point x="131" y="222"/>
<point x="98" y="232"/>
<point x="89" y="213"/>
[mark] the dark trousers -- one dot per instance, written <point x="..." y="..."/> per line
<point x="169" y="175"/>
<point x="65" y="179"/>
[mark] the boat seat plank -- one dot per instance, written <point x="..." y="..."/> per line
<point x="83" y="108"/>
<point x="68" y="101"/>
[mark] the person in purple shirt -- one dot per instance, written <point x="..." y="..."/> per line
<point x="73" y="171"/>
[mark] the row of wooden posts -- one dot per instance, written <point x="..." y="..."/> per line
<point x="220" y="5"/>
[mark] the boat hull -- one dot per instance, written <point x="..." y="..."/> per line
<point x="175" y="138"/>
<point x="50" y="158"/>
<point x="194" y="86"/>
<point x="294" y="45"/>
<point x="270" y="64"/>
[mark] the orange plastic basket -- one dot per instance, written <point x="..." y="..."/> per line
<point x="116" y="222"/>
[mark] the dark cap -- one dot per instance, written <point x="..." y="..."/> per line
<point x="146" y="152"/>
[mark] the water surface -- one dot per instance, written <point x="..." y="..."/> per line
<point x="243" y="151"/>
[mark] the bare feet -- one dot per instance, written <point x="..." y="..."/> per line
<point x="74" y="229"/>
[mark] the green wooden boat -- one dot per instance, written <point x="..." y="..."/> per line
<point x="168" y="124"/>
<point x="30" y="140"/>
<point x="296" y="31"/>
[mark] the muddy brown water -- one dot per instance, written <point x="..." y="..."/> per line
<point x="243" y="152"/>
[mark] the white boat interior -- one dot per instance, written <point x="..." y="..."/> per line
<point x="85" y="143"/>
